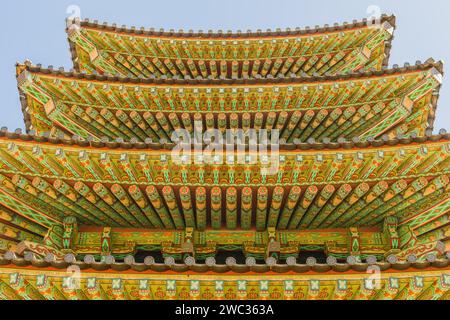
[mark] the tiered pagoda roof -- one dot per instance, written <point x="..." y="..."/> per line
<point x="362" y="182"/>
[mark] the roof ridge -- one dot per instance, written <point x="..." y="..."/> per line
<point x="391" y="19"/>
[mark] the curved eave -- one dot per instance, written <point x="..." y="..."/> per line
<point x="220" y="35"/>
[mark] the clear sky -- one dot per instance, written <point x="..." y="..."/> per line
<point x="35" y="30"/>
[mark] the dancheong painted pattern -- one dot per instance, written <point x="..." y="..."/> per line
<point x="361" y="186"/>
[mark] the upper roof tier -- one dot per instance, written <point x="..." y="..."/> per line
<point x="104" y="49"/>
<point x="395" y="102"/>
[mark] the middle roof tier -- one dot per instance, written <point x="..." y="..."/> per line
<point x="365" y="106"/>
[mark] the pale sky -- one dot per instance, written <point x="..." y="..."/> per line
<point x="35" y="30"/>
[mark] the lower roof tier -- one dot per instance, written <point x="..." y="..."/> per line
<point x="296" y="189"/>
<point x="398" y="282"/>
<point x="399" y="102"/>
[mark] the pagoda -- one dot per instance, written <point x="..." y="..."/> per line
<point x="93" y="205"/>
